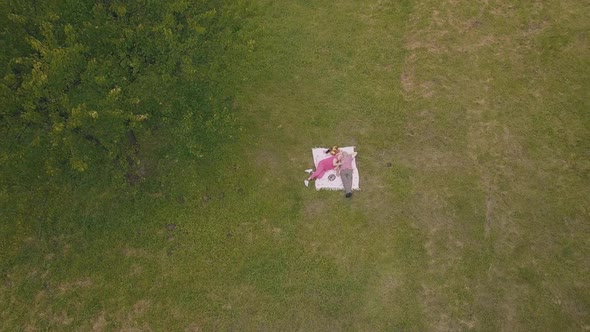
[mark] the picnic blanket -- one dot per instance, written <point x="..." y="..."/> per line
<point x="330" y="181"/>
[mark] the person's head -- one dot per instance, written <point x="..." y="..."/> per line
<point x="333" y="150"/>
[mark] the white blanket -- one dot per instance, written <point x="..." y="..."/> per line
<point x="336" y="182"/>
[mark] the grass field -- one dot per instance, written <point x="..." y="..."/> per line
<point x="472" y="127"/>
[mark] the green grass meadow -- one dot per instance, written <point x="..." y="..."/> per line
<point x="472" y="127"/>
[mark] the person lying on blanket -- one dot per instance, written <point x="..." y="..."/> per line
<point x="325" y="165"/>
<point x="345" y="171"/>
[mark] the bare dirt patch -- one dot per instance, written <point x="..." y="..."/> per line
<point x="194" y="327"/>
<point x="134" y="252"/>
<point x="64" y="319"/>
<point x="141" y="306"/>
<point x="411" y="85"/>
<point x="131" y="317"/>
<point x="79" y="284"/>
<point x="100" y="323"/>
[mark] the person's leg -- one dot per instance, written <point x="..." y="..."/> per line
<point x="346" y="175"/>
<point x="319" y="172"/>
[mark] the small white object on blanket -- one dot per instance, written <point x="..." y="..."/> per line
<point x="325" y="183"/>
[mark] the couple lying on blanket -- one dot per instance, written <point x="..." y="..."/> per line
<point x="341" y="161"/>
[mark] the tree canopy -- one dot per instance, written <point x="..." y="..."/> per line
<point x="83" y="81"/>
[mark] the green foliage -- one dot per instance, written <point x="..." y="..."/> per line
<point x="83" y="81"/>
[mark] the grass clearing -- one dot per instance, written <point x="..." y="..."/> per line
<point x="471" y="124"/>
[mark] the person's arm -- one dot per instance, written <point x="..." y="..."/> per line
<point x="337" y="164"/>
